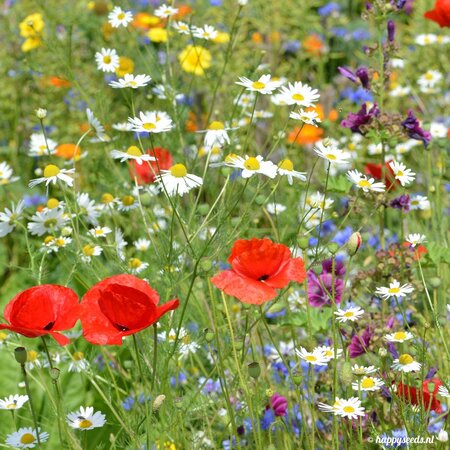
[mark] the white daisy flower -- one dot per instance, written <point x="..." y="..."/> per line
<point x="419" y="202"/>
<point x="350" y="408"/>
<point x="13" y="402"/>
<point x="350" y="314"/>
<point x="401" y="173"/>
<point x="165" y="11"/>
<point x="96" y="126"/>
<point x="181" y="27"/>
<point x="400" y="91"/>
<point x="329" y="352"/>
<point x="363" y="182"/>
<point x="151" y="122"/>
<point x="308" y="117"/>
<point x="245" y="99"/>
<point x="429" y="79"/>
<point x="134" y="153"/>
<point x="136" y="265"/>
<point x="142" y="244"/>
<point x="131" y="81"/>
<point x="331" y="153"/>
<point x="85" y="419"/>
<point x="9" y="218"/>
<point x="368" y="383"/>
<point x="207" y="32"/>
<point x="275" y="208"/>
<point x="121" y="243"/>
<point x="88" y="251"/>
<point x="363" y="370"/>
<point x="286" y="168"/>
<point x="79" y="363"/>
<point x="438" y="130"/>
<point x="127" y="203"/>
<point x="122" y="126"/>
<point x="399" y="336"/>
<point x="40" y="145"/>
<point x="406" y="363"/>
<point x="416" y="239"/>
<point x="6" y="174"/>
<point x="87" y="208"/>
<point x="394" y="290"/>
<point x="216" y="135"/>
<point x="47" y="221"/>
<point x="118" y="17"/>
<point x="318" y="201"/>
<point x="107" y="60"/>
<point x="26" y="438"/>
<point x="264" y="85"/>
<point x="177" y="181"/>
<point x="315" y="358"/>
<point x="99" y="232"/>
<point x="252" y="165"/>
<point x="52" y="174"/>
<point x="425" y="39"/>
<point x="443" y="391"/>
<point x="405" y="147"/>
<point x="299" y="94"/>
<point x="53" y="244"/>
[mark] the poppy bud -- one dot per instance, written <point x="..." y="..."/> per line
<point x="303" y="242"/>
<point x="159" y="400"/>
<point x="54" y="373"/>
<point x="178" y="402"/>
<point x="346" y="373"/>
<point x="434" y="282"/>
<point x="254" y="370"/>
<point x="333" y="247"/>
<point x="297" y="378"/>
<point x="209" y="335"/>
<point x="203" y="209"/>
<point x="353" y="243"/>
<point x="20" y="354"/>
<point x="146" y="199"/>
<point x="206" y="265"/>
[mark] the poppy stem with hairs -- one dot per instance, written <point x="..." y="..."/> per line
<point x="155" y="354"/>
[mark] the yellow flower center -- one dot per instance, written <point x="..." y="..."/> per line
<point x="252" y="163"/>
<point x="330" y="156"/>
<point x="428" y="76"/>
<point x="351" y="146"/>
<point x="298" y="97"/>
<point x="363" y="183"/>
<point x="32" y="356"/>
<point x="27" y="438"/>
<point x="348" y="409"/>
<point x="349" y="314"/>
<point x="400" y="335"/>
<point x="85" y="423"/>
<point x="230" y="158"/>
<point x="78" y="356"/>
<point x="258" y="85"/>
<point x="148" y="126"/>
<point x="286" y="164"/>
<point x="11" y="406"/>
<point x="3" y="336"/>
<point x="367" y="383"/>
<point x="48" y="239"/>
<point x="134" y="151"/>
<point x="107" y="198"/>
<point x="60" y="242"/>
<point x="50" y="223"/>
<point x="178" y="171"/>
<point x="99" y="232"/>
<point x="399" y="173"/>
<point x="311" y="358"/>
<point x="121" y="16"/>
<point x="52" y="203"/>
<point x="107" y="59"/>
<point x="405" y="359"/>
<point x="134" y="263"/>
<point x="127" y="200"/>
<point x="216" y="125"/>
<point x="394" y="290"/>
<point x="51" y="171"/>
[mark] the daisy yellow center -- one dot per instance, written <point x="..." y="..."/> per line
<point x="99" y="232"/>
<point x="399" y="173"/>
<point x="3" y="336"/>
<point x="348" y="409"/>
<point x="178" y="171"/>
<point x="330" y="156"/>
<point x="52" y="203"/>
<point x="405" y="359"/>
<point x="400" y="335"/>
<point x="88" y="250"/>
<point x="27" y="438"/>
<point x="328" y="353"/>
<point x="429" y="76"/>
<point x="135" y="263"/>
<point x="11" y="406"/>
<point x="252" y="163"/>
<point x="258" y="85"/>
<point x="367" y="383"/>
<point x="394" y="290"/>
<point x="349" y="314"/>
<point x="121" y="16"/>
<point x="230" y="158"/>
<point x="311" y="358"/>
<point x="60" y="242"/>
<point x="298" y="97"/>
<point x="363" y="184"/>
<point x="32" y="356"/>
<point x="286" y="164"/>
<point x="107" y="59"/>
<point x="78" y="356"/>
<point x="351" y="146"/>
<point x="127" y="200"/>
<point x="51" y="171"/>
<point x="148" y="126"/>
<point x="216" y="125"/>
<point x="50" y="223"/>
<point x="85" y="423"/>
<point x="48" y="239"/>
<point x="107" y="198"/>
<point x="134" y="151"/>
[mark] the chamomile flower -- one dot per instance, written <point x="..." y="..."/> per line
<point x="419" y="202"/>
<point x="165" y="11"/>
<point x="127" y="203"/>
<point x="26" y="438"/>
<point x="400" y="91"/>
<point x="9" y="218"/>
<point x="286" y="168"/>
<point x="13" y="402"/>
<point x="216" y="135"/>
<point x="133" y="153"/>
<point x="88" y="251"/>
<point x="425" y="39"/>
<point x="177" y="181"/>
<point x="349" y="315"/>
<point x="350" y="408"/>
<point x="416" y="239"/>
<point x="40" y="145"/>
<point x="85" y="419"/>
<point x="131" y="81"/>
<point x="331" y="153"/>
<point x="299" y="94"/>
<point x="368" y="383"/>
<point x="406" y="363"/>
<point x="245" y="99"/>
<point x="264" y="85"/>
<point x="399" y="336"/>
<point x="438" y="130"/>
<point x="363" y="370"/>
<point x="394" y="290"/>
<point x="181" y="27"/>
<point x="118" y="17"/>
<point x="87" y="208"/>
<point x="315" y="358"/>
<point x="99" y="232"/>
<point x="363" y="182"/>
<point x="107" y="60"/>
<point x="33" y="360"/>
<point x="401" y="173"/>
<point x="308" y="117"/>
<point x="120" y="243"/>
<point x="151" y="122"/>
<point x="430" y="79"/>
<point x="79" y="363"/>
<point x="142" y="244"/>
<point x="52" y="174"/>
<point x="252" y="165"/>
<point x="329" y="352"/>
<point x="136" y="265"/>
<point x="6" y="174"/>
<point x="53" y="244"/>
<point x="122" y="126"/>
<point x="444" y="391"/>
<point x="47" y="221"/>
<point x="207" y="32"/>
<point x="275" y="208"/>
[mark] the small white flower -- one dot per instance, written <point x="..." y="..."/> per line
<point x="107" y="60"/>
<point x="9" y="218"/>
<point x="363" y="370"/>
<point x="350" y="314"/>
<point x="88" y="251"/>
<point x="394" y="290"/>
<point x="264" y="85"/>
<point x="331" y="153"/>
<point x="40" y="145"/>
<point x="52" y="174"/>
<point x="13" y="402"/>
<point x="315" y="358"/>
<point x="99" y="232"/>
<point x="165" y="11"/>
<point x="429" y="79"/>
<point x="79" y="362"/>
<point x="368" y="383"/>
<point x="399" y="336"/>
<point x="425" y="39"/>
<point x="151" y="122"/>
<point x="87" y="208"/>
<point x="329" y="352"/>
<point x="47" y="221"/>
<point x="442" y="436"/>
<point x="118" y="17"/>
<point x="299" y="94"/>
<point x="419" y="202"/>
<point x="142" y="244"/>
<point x="275" y="208"/>
<point x="252" y="165"/>
<point x="308" y="117"/>
<point x="85" y="419"/>
<point x="136" y="265"/>
<point x="96" y="126"/>
<point x="133" y="153"/>
<point x="286" y="168"/>
<point x="216" y="135"/>
<point x="416" y="239"/>
<point x="177" y="181"/>
<point x="401" y="173"/>
<point x="181" y="27"/>
<point x="350" y="408"/>
<point x="207" y="32"/>
<point x="131" y="81"/>
<point x="26" y="438"/>
<point x="362" y="182"/>
<point x="444" y="391"/>
<point x="406" y="363"/>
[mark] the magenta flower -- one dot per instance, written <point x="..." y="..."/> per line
<point x="278" y="404"/>
<point x="359" y="344"/>
<point x="414" y="130"/>
<point x="320" y="287"/>
<point x="362" y="117"/>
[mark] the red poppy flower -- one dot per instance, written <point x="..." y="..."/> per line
<point x="375" y="171"/>
<point x="258" y="268"/>
<point x="119" y="306"/>
<point x="415" y="396"/>
<point x="146" y="172"/>
<point x="440" y="14"/>
<point x="42" y="310"/>
<point x="421" y="250"/>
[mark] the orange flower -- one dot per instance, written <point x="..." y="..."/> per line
<point x="146" y="21"/>
<point x="59" y="82"/>
<point x="309" y="134"/>
<point x="183" y="10"/>
<point x="68" y="151"/>
<point x="257" y="38"/>
<point x="313" y="45"/>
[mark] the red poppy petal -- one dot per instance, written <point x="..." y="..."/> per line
<point x="60" y="338"/>
<point x="169" y="306"/>
<point x="435" y="17"/>
<point x="245" y="289"/>
<point x="293" y="271"/>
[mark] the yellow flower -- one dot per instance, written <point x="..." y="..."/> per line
<point x="157" y="34"/>
<point x="31" y="43"/>
<point x="126" y="65"/>
<point x="195" y="59"/>
<point x="222" y="38"/>
<point x="32" y="25"/>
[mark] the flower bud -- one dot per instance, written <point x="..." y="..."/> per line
<point x="20" y="354"/>
<point x="442" y="436"/>
<point x="203" y="209"/>
<point x="269" y="392"/>
<point x="254" y="370"/>
<point x="303" y="242"/>
<point x="54" y="373"/>
<point x="297" y="378"/>
<point x="382" y="352"/>
<point x="159" y="400"/>
<point x="391" y="30"/>
<point x="346" y="374"/>
<point x="209" y="335"/>
<point x="41" y="113"/>
<point x="434" y="282"/>
<point x="206" y="265"/>
<point x="333" y="247"/>
<point x="353" y="243"/>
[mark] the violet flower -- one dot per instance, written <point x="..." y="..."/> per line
<point x="278" y="404"/>
<point x="320" y="289"/>
<point x="362" y="117"/>
<point x="414" y="130"/>
<point x="363" y="74"/>
<point x="392" y="350"/>
<point x="347" y="73"/>
<point x="391" y="30"/>
<point x="359" y="344"/>
<point x="401" y="202"/>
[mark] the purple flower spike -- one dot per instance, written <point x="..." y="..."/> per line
<point x="391" y="30"/>
<point x="347" y="73"/>
<point x="414" y="130"/>
<point x="363" y="74"/>
<point x="362" y="117"/>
